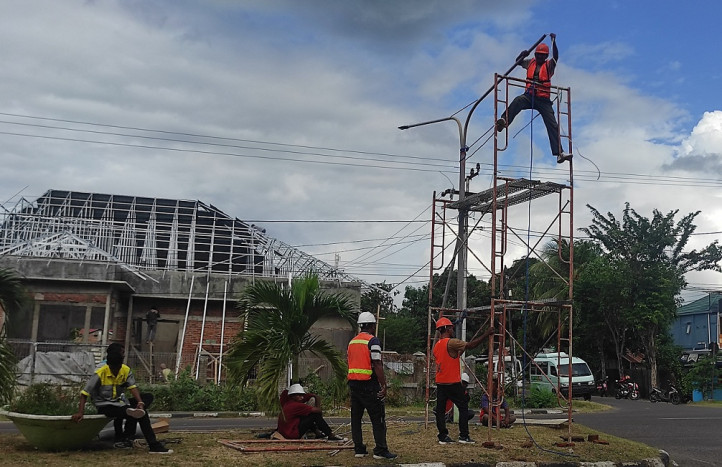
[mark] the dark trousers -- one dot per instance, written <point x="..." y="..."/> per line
<point x="313" y="422"/>
<point x="119" y="413"/>
<point x="455" y="393"/>
<point x="545" y="108"/>
<point x="470" y="414"/>
<point x="365" y="398"/>
<point x="131" y="424"/>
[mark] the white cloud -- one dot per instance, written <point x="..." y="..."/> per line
<point x="322" y="75"/>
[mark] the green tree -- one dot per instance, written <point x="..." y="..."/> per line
<point x="601" y="293"/>
<point x="400" y="332"/>
<point x="546" y="277"/>
<point x="416" y="301"/>
<point x="278" y="331"/>
<point x="378" y="298"/>
<point x="12" y="296"/>
<point x="651" y="253"/>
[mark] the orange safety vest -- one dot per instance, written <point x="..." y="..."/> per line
<point x="542" y="85"/>
<point x="448" y="370"/>
<point x="359" y="358"/>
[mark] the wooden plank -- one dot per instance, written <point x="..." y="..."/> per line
<point x="273" y="446"/>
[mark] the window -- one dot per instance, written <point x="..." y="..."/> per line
<point x="57" y="321"/>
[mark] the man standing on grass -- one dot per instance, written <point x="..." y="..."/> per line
<point x="448" y="379"/>
<point x="367" y="383"/>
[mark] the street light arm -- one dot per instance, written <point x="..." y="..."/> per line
<point x="414" y="125"/>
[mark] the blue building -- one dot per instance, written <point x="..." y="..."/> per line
<point x="698" y="322"/>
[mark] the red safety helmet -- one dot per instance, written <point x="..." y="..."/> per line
<point x="542" y="49"/>
<point x="443" y="322"/>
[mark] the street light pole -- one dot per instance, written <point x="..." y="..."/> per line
<point x="461" y="247"/>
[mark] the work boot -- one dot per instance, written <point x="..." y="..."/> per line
<point x="500" y="124"/>
<point x="562" y="157"/>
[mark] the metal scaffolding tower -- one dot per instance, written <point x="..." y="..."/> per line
<point x="504" y="194"/>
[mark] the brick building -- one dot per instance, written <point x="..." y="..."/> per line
<point x="96" y="263"/>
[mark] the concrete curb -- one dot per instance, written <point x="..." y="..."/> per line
<point x="662" y="461"/>
<point x="206" y="414"/>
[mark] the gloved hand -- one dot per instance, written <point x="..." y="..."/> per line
<point x="522" y="55"/>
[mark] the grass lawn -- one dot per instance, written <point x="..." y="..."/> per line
<point x="411" y="440"/>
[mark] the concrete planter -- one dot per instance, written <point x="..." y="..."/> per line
<point x="57" y="433"/>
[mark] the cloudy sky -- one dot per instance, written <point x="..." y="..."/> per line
<point x="287" y="110"/>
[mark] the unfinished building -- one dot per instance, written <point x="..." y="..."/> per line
<point x="96" y="263"/>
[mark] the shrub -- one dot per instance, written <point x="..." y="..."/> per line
<point x="394" y="393"/>
<point x="185" y="394"/>
<point x="333" y="392"/>
<point x="540" y="398"/>
<point x="49" y="399"/>
<point x="701" y="377"/>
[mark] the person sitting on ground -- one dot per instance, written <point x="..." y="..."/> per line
<point x="507" y="420"/>
<point x="106" y="389"/>
<point x="470" y="414"/>
<point x="298" y="418"/>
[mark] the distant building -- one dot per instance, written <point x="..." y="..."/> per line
<point x="96" y="263"/>
<point x="698" y="323"/>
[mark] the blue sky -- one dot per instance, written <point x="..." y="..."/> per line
<point x="294" y="107"/>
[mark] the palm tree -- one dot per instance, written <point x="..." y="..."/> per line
<point x="548" y="278"/>
<point x="12" y="295"/>
<point x="278" y="331"/>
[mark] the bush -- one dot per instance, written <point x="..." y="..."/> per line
<point x="185" y="394"/>
<point x="49" y="399"/>
<point x="394" y="393"/>
<point x="334" y="391"/>
<point x="701" y="377"/>
<point x="541" y="398"/>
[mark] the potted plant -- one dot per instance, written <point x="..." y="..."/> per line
<point x="42" y="413"/>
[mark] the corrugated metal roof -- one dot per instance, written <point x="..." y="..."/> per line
<point x="702" y="305"/>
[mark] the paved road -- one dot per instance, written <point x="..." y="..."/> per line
<point x="692" y="435"/>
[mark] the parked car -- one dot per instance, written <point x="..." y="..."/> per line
<point x="551" y="371"/>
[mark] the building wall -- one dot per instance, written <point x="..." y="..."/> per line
<point x="74" y="295"/>
<point x="689" y="329"/>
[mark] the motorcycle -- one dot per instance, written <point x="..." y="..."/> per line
<point x="671" y="395"/>
<point x="627" y="388"/>
<point x="602" y="386"/>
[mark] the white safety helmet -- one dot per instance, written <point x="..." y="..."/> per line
<point x="465" y="377"/>
<point x="366" y="318"/>
<point x="295" y="389"/>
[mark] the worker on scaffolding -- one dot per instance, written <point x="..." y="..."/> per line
<point x="447" y="352"/>
<point x="537" y="95"/>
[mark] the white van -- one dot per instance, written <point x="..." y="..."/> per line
<point x="512" y="368"/>
<point x="551" y="371"/>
